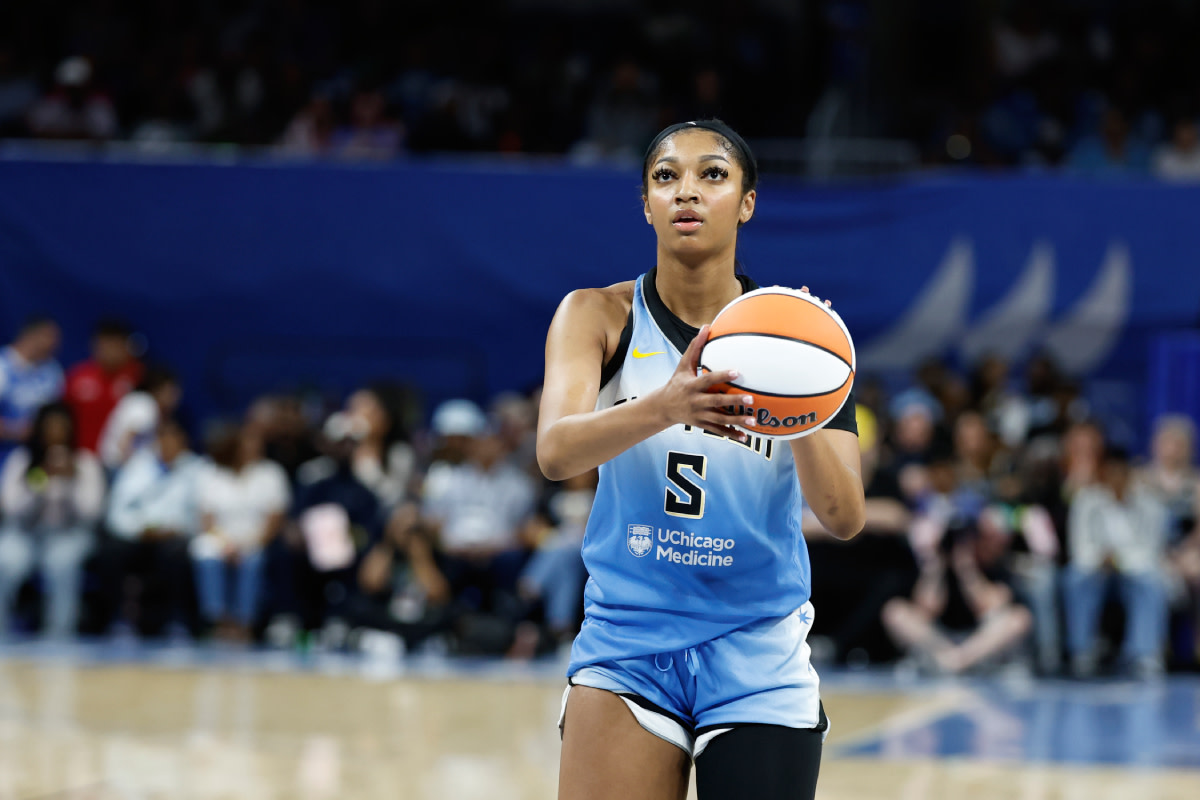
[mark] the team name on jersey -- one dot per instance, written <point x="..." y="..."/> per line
<point x="757" y="444"/>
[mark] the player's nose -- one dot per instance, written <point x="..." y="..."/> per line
<point x="688" y="189"/>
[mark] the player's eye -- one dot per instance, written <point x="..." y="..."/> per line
<point x="662" y="174"/>
<point x="716" y="173"/>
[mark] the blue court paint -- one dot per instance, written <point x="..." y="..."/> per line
<point x="1152" y="725"/>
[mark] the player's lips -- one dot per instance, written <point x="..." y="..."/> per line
<point x="687" y="221"/>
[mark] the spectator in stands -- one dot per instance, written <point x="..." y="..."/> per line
<point x="455" y="425"/>
<point x="1175" y="480"/>
<point x="1114" y="151"/>
<point x="134" y="422"/>
<point x="974" y="447"/>
<point x="243" y="501"/>
<point x="390" y="598"/>
<point x="1032" y="562"/>
<point x="335" y="518"/>
<point x="288" y="439"/>
<point x="555" y="574"/>
<point x="477" y="519"/>
<point x="310" y="133"/>
<point x="516" y="422"/>
<point x="152" y="516"/>
<point x="1178" y="160"/>
<point x="74" y="108"/>
<point x="30" y="377"/>
<point x="1082" y="454"/>
<point x="95" y="386"/>
<point x="383" y="459"/>
<point x="962" y="612"/>
<point x="915" y="415"/>
<point x="370" y="134"/>
<point x="623" y="117"/>
<point x="51" y="496"/>
<point x="1117" y="534"/>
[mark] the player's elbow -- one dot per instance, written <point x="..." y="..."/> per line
<point x="847" y="522"/>
<point x="551" y="460"/>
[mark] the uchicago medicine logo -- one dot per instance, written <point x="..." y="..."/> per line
<point x="640" y="538"/>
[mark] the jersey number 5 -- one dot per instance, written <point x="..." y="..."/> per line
<point x="683" y="497"/>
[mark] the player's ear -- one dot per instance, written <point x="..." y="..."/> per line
<point x="747" y="207"/>
<point x="646" y="209"/>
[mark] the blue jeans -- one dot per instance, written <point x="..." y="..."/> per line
<point x="217" y="580"/>
<point x="59" y="555"/>
<point x="557" y="575"/>
<point x="1145" y="601"/>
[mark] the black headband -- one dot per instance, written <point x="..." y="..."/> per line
<point x="716" y="126"/>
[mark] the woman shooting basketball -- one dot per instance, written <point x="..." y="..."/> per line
<point x="693" y="645"/>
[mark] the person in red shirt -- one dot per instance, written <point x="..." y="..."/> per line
<point x="95" y="386"/>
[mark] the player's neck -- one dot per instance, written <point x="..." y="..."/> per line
<point x="696" y="292"/>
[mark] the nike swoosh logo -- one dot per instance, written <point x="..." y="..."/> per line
<point x="639" y="354"/>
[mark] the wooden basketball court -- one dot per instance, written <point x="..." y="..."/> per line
<point x="195" y="724"/>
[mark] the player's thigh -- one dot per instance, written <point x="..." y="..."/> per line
<point x="607" y="755"/>
<point x="765" y="762"/>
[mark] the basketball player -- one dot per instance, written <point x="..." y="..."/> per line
<point x="697" y="608"/>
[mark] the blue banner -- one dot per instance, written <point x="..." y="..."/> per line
<point x="256" y="276"/>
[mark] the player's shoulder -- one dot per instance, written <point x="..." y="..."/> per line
<point x="606" y="306"/>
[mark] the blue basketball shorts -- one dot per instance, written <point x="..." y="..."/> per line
<point x="757" y="675"/>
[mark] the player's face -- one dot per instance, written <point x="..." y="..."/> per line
<point x="695" y="200"/>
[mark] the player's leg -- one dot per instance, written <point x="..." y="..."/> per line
<point x="766" y="762"/>
<point x="608" y="755"/>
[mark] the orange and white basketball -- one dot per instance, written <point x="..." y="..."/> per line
<point x="794" y="355"/>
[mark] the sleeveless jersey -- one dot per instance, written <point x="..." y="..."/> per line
<point x="691" y="535"/>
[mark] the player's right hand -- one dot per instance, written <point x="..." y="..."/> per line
<point x="688" y="398"/>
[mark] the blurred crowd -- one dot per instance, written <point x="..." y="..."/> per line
<point x="1004" y="527"/>
<point x="1096" y="87"/>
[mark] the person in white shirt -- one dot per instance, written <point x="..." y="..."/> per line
<point x="51" y="496"/>
<point x="243" y="499"/>
<point x="1117" y="532"/>
<point x="476" y="521"/>
<point x="152" y="515"/>
<point x="133" y="423"/>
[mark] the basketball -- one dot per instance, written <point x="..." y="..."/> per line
<point x="794" y="355"/>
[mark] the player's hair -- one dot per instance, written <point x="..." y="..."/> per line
<point x="731" y="142"/>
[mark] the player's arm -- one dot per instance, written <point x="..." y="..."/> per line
<point x="830" y="471"/>
<point x="573" y="437"/>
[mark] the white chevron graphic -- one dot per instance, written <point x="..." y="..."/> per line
<point x="1008" y="328"/>
<point x="933" y="320"/>
<point x="1080" y="340"/>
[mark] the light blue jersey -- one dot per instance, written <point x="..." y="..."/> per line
<point x="691" y="535"/>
